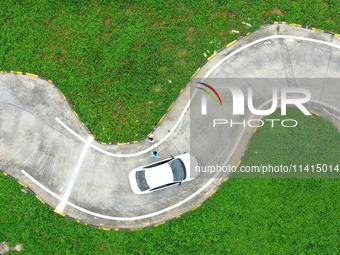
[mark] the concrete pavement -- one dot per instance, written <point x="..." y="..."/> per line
<point x="44" y="145"/>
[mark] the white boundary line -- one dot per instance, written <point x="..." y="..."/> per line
<point x="70" y="130"/>
<point x="194" y="94"/>
<point x="171" y="131"/>
<point x="268" y="38"/>
<point x="112" y="217"/>
<point x="40" y="185"/>
<point x="62" y="203"/>
<point x="170" y="207"/>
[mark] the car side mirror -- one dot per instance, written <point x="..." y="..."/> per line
<point x="179" y="184"/>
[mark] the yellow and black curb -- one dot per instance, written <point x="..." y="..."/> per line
<point x="169" y="108"/>
<point x="101" y="226"/>
<point x="208" y="194"/>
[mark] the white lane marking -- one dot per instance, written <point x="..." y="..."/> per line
<point x="264" y="39"/>
<point x="62" y="203"/>
<point x="133" y="154"/>
<point x="194" y="94"/>
<point x="70" y="130"/>
<point x="172" y="130"/>
<point x="40" y="185"/>
<point x="256" y="42"/>
<point x="146" y="215"/>
<point x="119" y="218"/>
<point x="175" y="205"/>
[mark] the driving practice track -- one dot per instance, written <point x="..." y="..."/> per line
<point x="47" y="149"/>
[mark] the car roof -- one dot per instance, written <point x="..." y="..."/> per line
<point x="159" y="175"/>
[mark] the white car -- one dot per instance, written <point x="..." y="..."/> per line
<point x="163" y="174"/>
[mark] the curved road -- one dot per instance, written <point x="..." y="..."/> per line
<point x="44" y="145"/>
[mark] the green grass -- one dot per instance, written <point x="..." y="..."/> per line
<point x="296" y="146"/>
<point x="245" y="216"/>
<point x="113" y="61"/>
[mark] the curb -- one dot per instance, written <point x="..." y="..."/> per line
<point x="173" y="102"/>
<point x="208" y="194"/>
<point x="146" y="224"/>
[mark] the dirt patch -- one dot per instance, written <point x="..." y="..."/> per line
<point x="120" y="105"/>
<point x="190" y="34"/>
<point x="107" y="21"/>
<point x="277" y="11"/>
<point x="157" y="88"/>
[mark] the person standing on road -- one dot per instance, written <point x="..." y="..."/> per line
<point x="151" y="138"/>
<point x="155" y="154"/>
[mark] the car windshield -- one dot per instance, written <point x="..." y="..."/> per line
<point x="178" y="169"/>
<point x="141" y="181"/>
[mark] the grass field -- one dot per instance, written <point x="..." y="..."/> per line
<point x="113" y="61"/>
<point x="245" y="216"/>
